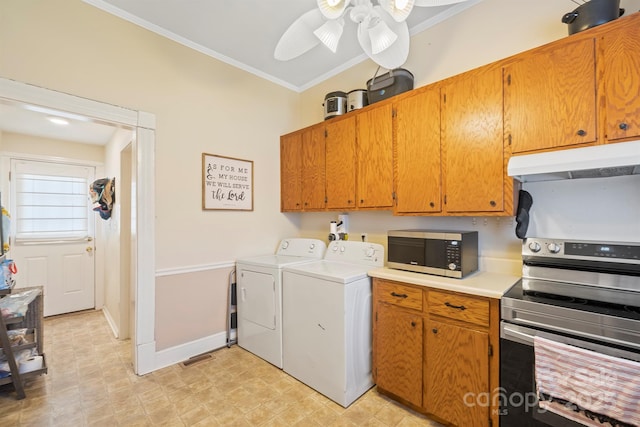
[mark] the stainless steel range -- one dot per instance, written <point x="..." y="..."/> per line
<point x="584" y="294"/>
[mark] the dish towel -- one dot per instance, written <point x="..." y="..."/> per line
<point x="585" y="386"/>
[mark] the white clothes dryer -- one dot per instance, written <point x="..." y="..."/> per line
<point x="259" y="295"/>
<point x="327" y="320"/>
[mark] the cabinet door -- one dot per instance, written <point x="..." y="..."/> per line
<point x="622" y="82"/>
<point x="291" y="172"/>
<point x="417" y="153"/>
<point x="341" y="162"/>
<point x="398" y="352"/>
<point x="473" y="143"/>
<point x="457" y="374"/>
<point x="375" y="157"/>
<point x="313" y="168"/>
<point x="550" y="97"/>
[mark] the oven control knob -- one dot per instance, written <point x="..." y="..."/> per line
<point x="534" y="246"/>
<point x="554" y="248"/>
<point x="452" y="266"/>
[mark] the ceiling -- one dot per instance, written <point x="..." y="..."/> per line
<point x="244" y="33"/>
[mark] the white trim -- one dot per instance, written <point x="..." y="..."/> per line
<point x="183" y="352"/>
<point x="194" y="268"/>
<point x="30" y="94"/>
<point x="111" y="322"/>
<point x="144" y="251"/>
<point x="55" y="159"/>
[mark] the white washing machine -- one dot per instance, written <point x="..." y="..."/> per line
<point x="259" y="296"/>
<point x="327" y="320"/>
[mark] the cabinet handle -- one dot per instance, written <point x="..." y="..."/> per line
<point x="393" y="294"/>
<point x="581" y="132"/>
<point x="623" y="126"/>
<point x="434" y="330"/>
<point x="457" y="307"/>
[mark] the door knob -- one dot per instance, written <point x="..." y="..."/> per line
<point x="89" y="249"/>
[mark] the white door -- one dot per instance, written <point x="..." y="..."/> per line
<point x="52" y="232"/>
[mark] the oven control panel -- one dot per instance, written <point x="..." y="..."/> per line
<point x="581" y="249"/>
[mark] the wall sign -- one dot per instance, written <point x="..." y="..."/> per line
<point x="227" y="183"/>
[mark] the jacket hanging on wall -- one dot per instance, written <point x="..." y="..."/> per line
<point x="103" y="194"/>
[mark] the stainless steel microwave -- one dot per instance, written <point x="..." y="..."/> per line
<point x="439" y="252"/>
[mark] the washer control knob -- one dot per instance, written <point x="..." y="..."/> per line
<point x="452" y="266"/>
<point x="312" y="246"/>
<point x="342" y="249"/>
<point x="334" y="248"/>
<point x="285" y="244"/>
<point x="535" y="247"/>
<point x="554" y="248"/>
<point x="370" y="252"/>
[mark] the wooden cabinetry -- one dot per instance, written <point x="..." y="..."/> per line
<point x="621" y="67"/>
<point x="341" y="162"/>
<point x="417" y="153"/>
<point x="375" y="157"/>
<point x="550" y="97"/>
<point x="473" y="144"/>
<point x="457" y="354"/>
<point x="302" y="169"/>
<point x="433" y="350"/>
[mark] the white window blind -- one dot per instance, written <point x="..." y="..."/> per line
<point x="51" y="202"/>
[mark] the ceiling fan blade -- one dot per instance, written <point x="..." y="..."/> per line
<point x="432" y="3"/>
<point x="299" y="37"/>
<point x="397" y="53"/>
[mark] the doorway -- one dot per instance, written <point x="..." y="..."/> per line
<point x="142" y="222"/>
<point x="52" y="232"/>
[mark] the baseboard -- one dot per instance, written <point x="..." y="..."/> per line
<point x="180" y="353"/>
<point x="111" y="322"/>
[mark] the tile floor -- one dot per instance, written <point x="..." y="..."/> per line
<point x="91" y="383"/>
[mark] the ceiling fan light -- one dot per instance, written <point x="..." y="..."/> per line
<point x="398" y="9"/>
<point x="381" y="37"/>
<point x="329" y="33"/>
<point x="434" y="3"/>
<point x="332" y="9"/>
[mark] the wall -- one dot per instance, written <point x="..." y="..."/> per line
<point x="201" y="106"/>
<point x="37" y="146"/>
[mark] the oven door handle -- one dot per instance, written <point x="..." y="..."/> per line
<point x="508" y="330"/>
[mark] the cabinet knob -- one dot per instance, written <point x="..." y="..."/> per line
<point x="361" y="200"/>
<point x="581" y="132"/>
<point x="623" y="126"/>
<point x="349" y="201"/>
<point x="492" y="203"/>
<point x="413" y="324"/>
<point x="433" y="205"/>
<point x="434" y="330"/>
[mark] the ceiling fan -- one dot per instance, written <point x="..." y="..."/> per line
<point x="382" y="31"/>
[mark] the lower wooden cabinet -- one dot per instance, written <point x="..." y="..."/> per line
<point x="437" y="356"/>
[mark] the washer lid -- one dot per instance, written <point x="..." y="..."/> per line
<point x="330" y="271"/>
<point x="274" y="261"/>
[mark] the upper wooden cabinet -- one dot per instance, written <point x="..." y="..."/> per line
<point x="473" y="143"/>
<point x="313" y="168"/>
<point x="375" y="157"/>
<point x="302" y="170"/>
<point x="341" y="160"/>
<point x="550" y="97"/>
<point x="291" y="172"/>
<point x="417" y="153"/>
<point x="622" y="82"/>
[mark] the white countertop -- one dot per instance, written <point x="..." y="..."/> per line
<point x="482" y="283"/>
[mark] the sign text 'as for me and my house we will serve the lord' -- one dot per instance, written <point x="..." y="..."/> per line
<point x="227" y="183"/>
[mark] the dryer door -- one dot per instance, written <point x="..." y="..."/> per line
<point x="257" y="298"/>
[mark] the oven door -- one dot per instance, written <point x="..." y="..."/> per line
<point x="518" y="400"/>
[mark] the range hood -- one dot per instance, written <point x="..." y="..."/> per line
<point x="599" y="161"/>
